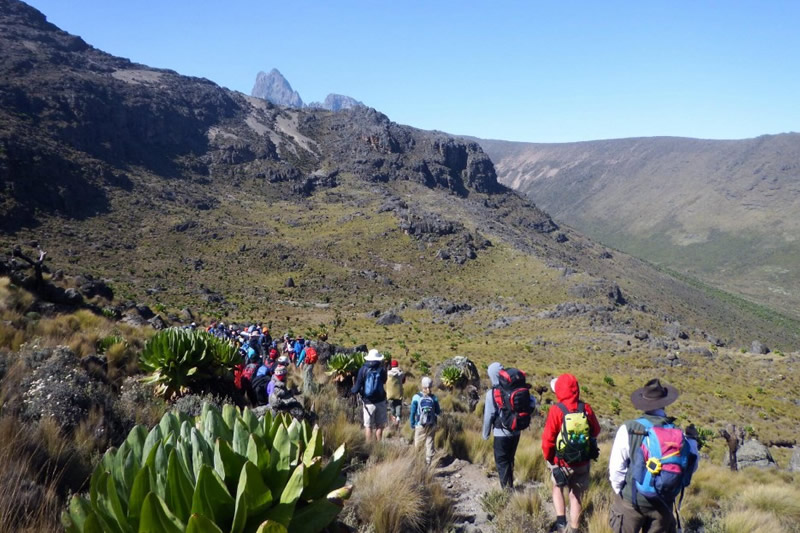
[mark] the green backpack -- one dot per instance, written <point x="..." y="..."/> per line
<point x="574" y="443"/>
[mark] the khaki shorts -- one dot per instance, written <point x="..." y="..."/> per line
<point x="577" y="478"/>
<point x="375" y="415"/>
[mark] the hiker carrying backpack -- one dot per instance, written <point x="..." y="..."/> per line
<point x="425" y="412"/>
<point x="568" y="443"/>
<point x="369" y="384"/>
<point x="651" y="463"/>
<point x="513" y="401"/>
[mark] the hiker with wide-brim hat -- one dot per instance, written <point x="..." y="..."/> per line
<point x="371" y="386"/>
<point x="633" y="511"/>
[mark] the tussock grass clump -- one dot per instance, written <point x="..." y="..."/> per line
<point x="525" y="512"/>
<point x="781" y="501"/>
<point x="748" y="521"/>
<point x="400" y="494"/>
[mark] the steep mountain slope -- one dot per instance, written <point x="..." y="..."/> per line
<point x="184" y="193"/>
<point x="721" y="211"/>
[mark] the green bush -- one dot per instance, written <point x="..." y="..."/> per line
<point x="223" y="471"/>
<point x="343" y="365"/>
<point x="452" y="376"/>
<point x="181" y="361"/>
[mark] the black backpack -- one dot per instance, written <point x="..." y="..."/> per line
<point x="512" y="399"/>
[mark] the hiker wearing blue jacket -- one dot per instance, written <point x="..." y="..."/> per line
<point x="425" y="411"/>
<point x="370" y="384"/>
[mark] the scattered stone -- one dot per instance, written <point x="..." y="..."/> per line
<point x="699" y="350"/>
<point x="289" y="283"/>
<point x="145" y="312"/>
<point x="674" y="331"/>
<point x="794" y="463"/>
<point x="157" y="322"/>
<point x="641" y="335"/>
<point x="752" y="453"/>
<point x="758" y="347"/>
<point x="504" y="322"/>
<point x="390" y="318"/>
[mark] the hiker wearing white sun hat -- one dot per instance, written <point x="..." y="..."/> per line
<point x="370" y="385"/>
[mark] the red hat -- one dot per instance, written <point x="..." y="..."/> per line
<point x="395" y="363"/>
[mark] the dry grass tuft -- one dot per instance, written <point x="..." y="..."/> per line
<point x="400" y="494"/>
<point x="747" y="521"/>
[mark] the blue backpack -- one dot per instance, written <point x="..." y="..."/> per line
<point x="663" y="465"/>
<point x="427" y="411"/>
<point x="372" y="383"/>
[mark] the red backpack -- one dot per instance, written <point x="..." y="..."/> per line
<point x="512" y="399"/>
<point x="243" y="375"/>
<point x="311" y="356"/>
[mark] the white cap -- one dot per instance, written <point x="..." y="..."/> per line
<point x="553" y="384"/>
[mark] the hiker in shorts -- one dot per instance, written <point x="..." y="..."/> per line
<point x="636" y="509"/>
<point x="568" y="444"/>
<point x="394" y="393"/>
<point x="425" y="412"/>
<point x="370" y="385"/>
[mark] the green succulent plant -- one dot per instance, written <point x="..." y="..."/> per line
<point x="342" y="365"/>
<point x="180" y="360"/>
<point x="452" y="376"/>
<point x="222" y="471"/>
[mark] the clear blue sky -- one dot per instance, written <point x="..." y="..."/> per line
<point x="526" y="71"/>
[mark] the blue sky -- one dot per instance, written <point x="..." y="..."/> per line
<point x="524" y="71"/>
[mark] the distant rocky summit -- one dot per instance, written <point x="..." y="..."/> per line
<point x="274" y="88"/>
<point x="337" y="102"/>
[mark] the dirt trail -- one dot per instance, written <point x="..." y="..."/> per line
<point x="466" y="483"/>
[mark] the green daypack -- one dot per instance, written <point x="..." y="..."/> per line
<point x="574" y="443"/>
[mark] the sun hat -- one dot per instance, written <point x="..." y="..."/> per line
<point x="374" y="355"/>
<point x="280" y="371"/>
<point x="283" y="360"/>
<point x="395" y="363"/>
<point x="654" y="395"/>
<point x="426" y="382"/>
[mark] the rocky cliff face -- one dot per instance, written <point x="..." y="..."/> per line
<point x="77" y="124"/>
<point x="274" y="88"/>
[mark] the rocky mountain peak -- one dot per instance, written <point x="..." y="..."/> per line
<point x="337" y="102"/>
<point x="274" y="88"/>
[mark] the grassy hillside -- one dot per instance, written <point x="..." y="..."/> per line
<point x="721" y="211"/>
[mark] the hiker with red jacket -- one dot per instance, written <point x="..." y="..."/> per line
<point x="568" y="444"/>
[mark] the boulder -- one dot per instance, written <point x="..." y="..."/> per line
<point x="157" y="322"/>
<point x="58" y="386"/>
<point x="389" y="318"/>
<point x="758" y="347"/>
<point x="753" y="453"/>
<point x="468" y="370"/>
<point x="289" y="283"/>
<point x="794" y="463"/>
<point x="674" y="331"/>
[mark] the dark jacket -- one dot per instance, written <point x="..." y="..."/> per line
<point x="358" y="387"/>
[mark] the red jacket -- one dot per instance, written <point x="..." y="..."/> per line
<point x="568" y="393"/>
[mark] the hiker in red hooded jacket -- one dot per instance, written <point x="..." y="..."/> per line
<point x="568" y="453"/>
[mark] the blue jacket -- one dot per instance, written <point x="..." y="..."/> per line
<point x="414" y="418"/>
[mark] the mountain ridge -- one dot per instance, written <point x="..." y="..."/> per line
<point x="180" y="191"/>
<point x="720" y="210"/>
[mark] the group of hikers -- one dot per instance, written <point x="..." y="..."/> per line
<point x="262" y="374"/>
<point x="651" y="461"/>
